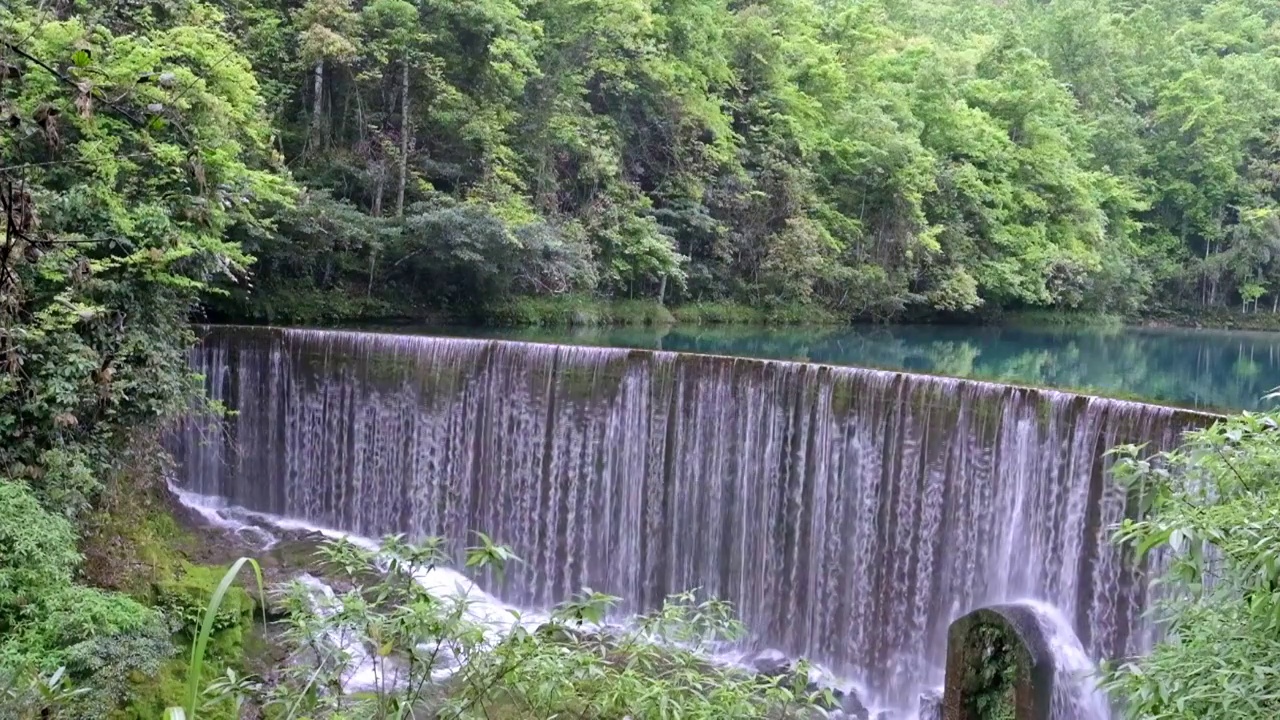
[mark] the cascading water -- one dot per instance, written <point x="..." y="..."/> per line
<point x="849" y="514"/>
<point x="1075" y="692"/>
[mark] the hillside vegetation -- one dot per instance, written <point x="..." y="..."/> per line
<point x="877" y="159"/>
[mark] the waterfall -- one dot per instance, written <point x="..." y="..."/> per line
<point x="1075" y="691"/>
<point x="849" y="514"/>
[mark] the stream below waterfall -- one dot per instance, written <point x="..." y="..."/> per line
<point x="849" y="514"/>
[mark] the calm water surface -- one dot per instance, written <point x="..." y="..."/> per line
<point x="1216" y="370"/>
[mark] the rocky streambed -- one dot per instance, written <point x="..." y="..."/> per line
<point x="292" y="554"/>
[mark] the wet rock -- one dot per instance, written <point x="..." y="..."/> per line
<point x="931" y="705"/>
<point x="845" y="702"/>
<point x="848" y="707"/>
<point x="852" y="706"/>
<point x="770" y="663"/>
<point x="560" y="633"/>
<point x="295" y="552"/>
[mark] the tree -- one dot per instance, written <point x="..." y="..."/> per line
<point x="325" y="32"/>
<point x="130" y="163"/>
<point x="394" y="27"/>
<point x="1210" y="510"/>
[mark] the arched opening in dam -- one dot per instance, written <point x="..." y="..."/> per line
<point x="850" y="515"/>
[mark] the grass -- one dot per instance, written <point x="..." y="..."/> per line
<point x="1220" y="318"/>
<point x="195" y="667"/>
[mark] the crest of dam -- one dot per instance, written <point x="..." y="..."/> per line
<point x="850" y="515"/>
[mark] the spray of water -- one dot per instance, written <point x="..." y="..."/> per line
<point x="1076" y="695"/>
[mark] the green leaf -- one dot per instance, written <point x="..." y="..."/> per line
<point x="196" y="664"/>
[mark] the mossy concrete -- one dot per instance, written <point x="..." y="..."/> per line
<point x="999" y="666"/>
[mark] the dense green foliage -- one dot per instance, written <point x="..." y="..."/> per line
<point x="1211" y="510"/>
<point x="876" y="158"/>
<point x="132" y="157"/>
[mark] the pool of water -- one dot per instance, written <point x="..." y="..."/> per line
<point x="1205" y="369"/>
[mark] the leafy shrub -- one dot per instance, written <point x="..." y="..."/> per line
<point x="185" y="598"/>
<point x="114" y="669"/>
<point x="37" y="553"/>
<point x="1210" y="512"/>
<point x="33" y="695"/>
<point x="103" y="641"/>
<point x="431" y="652"/>
<point x="107" y="643"/>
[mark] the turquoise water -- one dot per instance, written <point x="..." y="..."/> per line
<point x="1213" y="370"/>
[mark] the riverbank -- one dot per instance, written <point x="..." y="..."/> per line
<point x="550" y="311"/>
<point x="141" y="542"/>
<point x="585" y="311"/>
<point x="580" y="311"/>
<point x="1218" y="318"/>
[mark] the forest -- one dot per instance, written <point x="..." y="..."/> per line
<point x="875" y="160"/>
<point x="520" y="160"/>
<point x="895" y="159"/>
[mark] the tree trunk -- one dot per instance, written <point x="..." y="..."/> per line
<point x="662" y="290"/>
<point x="404" y="134"/>
<point x="345" y="118"/>
<point x="317" y="105"/>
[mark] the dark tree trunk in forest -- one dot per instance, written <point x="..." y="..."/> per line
<point x="317" y="105"/>
<point x="404" y="134"/>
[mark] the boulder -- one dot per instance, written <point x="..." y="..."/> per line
<point x="845" y="702"/>
<point x="931" y="705"/>
<point x="853" y="706"/>
<point x="770" y="663"/>
<point x="560" y="633"/>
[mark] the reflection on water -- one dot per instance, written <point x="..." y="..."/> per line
<point x="1216" y="370"/>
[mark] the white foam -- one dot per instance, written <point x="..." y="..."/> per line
<point x="360" y="668"/>
<point x="480" y="607"/>
<point x="1076" y="695"/>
